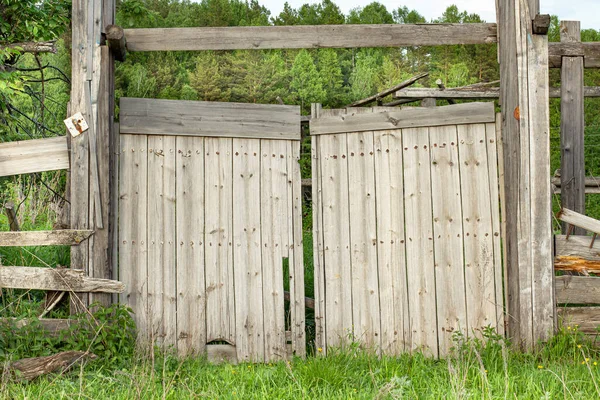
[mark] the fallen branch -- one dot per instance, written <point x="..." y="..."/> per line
<point x="389" y="91"/>
<point x="31" y="368"/>
<point x="32" y="47"/>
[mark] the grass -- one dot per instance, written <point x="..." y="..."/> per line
<point x="565" y="368"/>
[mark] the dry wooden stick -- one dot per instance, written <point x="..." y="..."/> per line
<point x="386" y="92"/>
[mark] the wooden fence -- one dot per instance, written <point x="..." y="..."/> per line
<point x="210" y="212"/>
<point x="406" y="226"/>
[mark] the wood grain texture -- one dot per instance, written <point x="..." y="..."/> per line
<point x="577" y="289"/>
<point x="190" y="210"/>
<point x="133" y="222"/>
<point x="58" y="279"/>
<point x="476" y="94"/>
<point x="363" y="240"/>
<point x="66" y="237"/>
<point x="391" y="256"/>
<point x="579" y="220"/>
<point x="199" y="118"/>
<point x="586" y="319"/>
<point x="577" y="246"/>
<point x="28" y="156"/>
<point x="248" y="273"/>
<point x="419" y="240"/>
<point x="298" y="37"/>
<point x="405" y="118"/>
<point x="220" y="300"/>
<point x="448" y="235"/>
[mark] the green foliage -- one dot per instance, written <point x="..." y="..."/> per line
<point x="306" y="85"/>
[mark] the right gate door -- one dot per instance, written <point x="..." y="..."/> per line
<point x="406" y="218"/>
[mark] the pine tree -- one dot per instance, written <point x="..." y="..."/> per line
<point x="306" y="84"/>
<point x="332" y="79"/>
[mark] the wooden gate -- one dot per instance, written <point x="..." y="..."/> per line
<point x="406" y="225"/>
<point x="209" y="211"/>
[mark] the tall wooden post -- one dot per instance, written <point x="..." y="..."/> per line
<point x="524" y="95"/>
<point x="91" y="94"/>
<point x="572" y="166"/>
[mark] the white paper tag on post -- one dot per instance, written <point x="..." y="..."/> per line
<point x="76" y="124"/>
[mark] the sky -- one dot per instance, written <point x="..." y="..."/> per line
<point x="586" y="11"/>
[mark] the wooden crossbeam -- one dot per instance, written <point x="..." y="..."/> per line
<point x="58" y="279"/>
<point x="587" y="319"/>
<point x="577" y="289"/>
<point x="479" y="93"/>
<point x="580" y="220"/>
<point x="65" y="237"/>
<point x="28" y="156"/>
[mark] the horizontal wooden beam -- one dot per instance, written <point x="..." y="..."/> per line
<point x="587" y="319"/>
<point x="214" y="119"/>
<point x="475" y="94"/>
<point x="590" y="51"/>
<point x="28" y="156"/>
<point x="308" y="36"/>
<point x="577" y="246"/>
<point x="57" y="279"/>
<point x="591" y="185"/>
<point x="580" y="220"/>
<point x="577" y="289"/>
<point x="65" y="237"/>
<point x="50" y="326"/>
<point x="389" y="91"/>
<point x="467" y="113"/>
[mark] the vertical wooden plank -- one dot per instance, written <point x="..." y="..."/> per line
<point x="419" y="240"/>
<point x="296" y="251"/>
<point x="133" y="245"/>
<point x="448" y="235"/>
<point x="318" y="249"/>
<point x="391" y="256"/>
<point x="477" y="228"/>
<point x="541" y="196"/>
<point x="572" y="127"/>
<point x="336" y="238"/>
<point x="161" y="239"/>
<point x="248" y="275"/>
<point x="502" y="186"/>
<point x="274" y="238"/>
<point x="114" y="208"/>
<point x="363" y="240"/>
<point x="492" y="155"/>
<point x="220" y="296"/>
<point x="191" y="300"/>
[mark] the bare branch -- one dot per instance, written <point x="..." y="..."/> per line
<point x="32" y="47"/>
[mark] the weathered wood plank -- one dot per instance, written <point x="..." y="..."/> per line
<point x="579" y="220"/>
<point x="541" y="197"/>
<point x="28" y="156"/>
<point x="274" y="242"/>
<point x="133" y="222"/>
<point x="318" y="36"/>
<point x="199" y="118"/>
<point x="555" y="61"/>
<point x="191" y="288"/>
<point x="572" y="126"/>
<point x="58" y="279"/>
<point x="363" y="240"/>
<point x="391" y="256"/>
<point x="31" y="368"/>
<point x="455" y="114"/>
<point x="476" y="94"/>
<point x="336" y="238"/>
<point x="573" y="48"/>
<point x="477" y="228"/>
<point x="219" y="353"/>
<point x="248" y="274"/>
<point x="220" y="305"/>
<point x="448" y="235"/>
<point x="65" y="237"/>
<point x="577" y="246"/>
<point x="587" y="319"/>
<point x="577" y="289"/>
<point x="419" y="240"/>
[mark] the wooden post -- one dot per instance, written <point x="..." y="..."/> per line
<point x="572" y="175"/>
<point x="13" y="222"/>
<point x="525" y="133"/>
<point x="92" y="93"/>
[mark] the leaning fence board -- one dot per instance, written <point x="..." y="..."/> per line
<point x="67" y="237"/>
<point x="587" y="319"/>
<point x="247" y="252"/>
<point x="419" y="240"/>
<point x="28" y="156"/>
<point x="317" y="36"/>
<point x="133" y="221"/>
<point x="577" y="289"/>
<point x="448" y="234"/>
<point x="467" y="113"/>
<point x="220" y="318"/>
<point x="191" y="313"/>
<point x="58" y="279"/>
<point x="391" y="257"/>
<point x="274" y="242"/>
<point x="580" y="220"/>
<point x="363" y="239"/>
<point x="477" y="228"/>
<point x="198" y="118"/>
